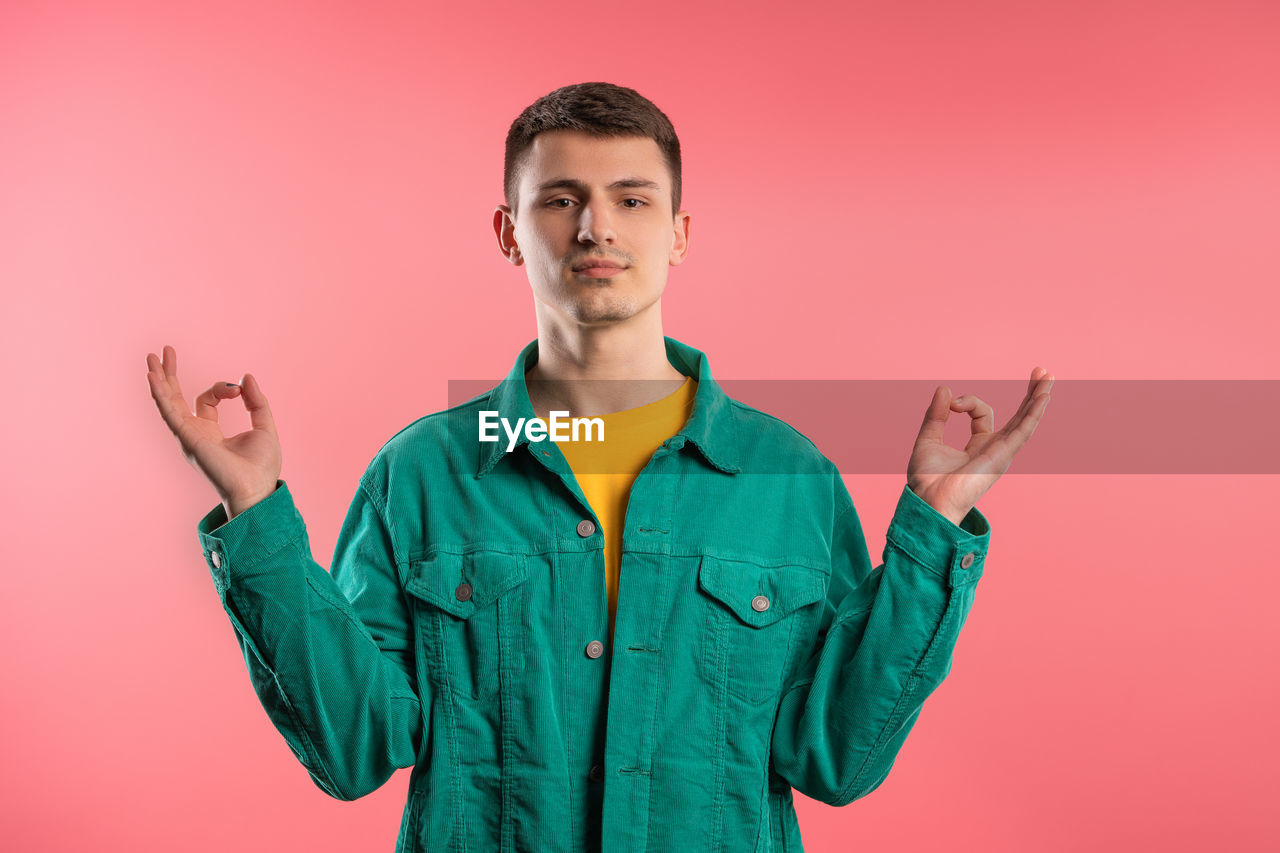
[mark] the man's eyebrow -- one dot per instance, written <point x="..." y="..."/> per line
<point x="571" y="184"/>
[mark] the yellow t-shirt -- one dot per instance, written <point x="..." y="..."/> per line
<point x="606" y="469"/>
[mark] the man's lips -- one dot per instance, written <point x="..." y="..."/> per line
<point x="598" y="268"/>
<point x="595" y="264"/>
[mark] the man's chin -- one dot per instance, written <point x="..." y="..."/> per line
<point x="599" y="311"/>
<point x="602" y="317"/>
<point x="595" y="308"/>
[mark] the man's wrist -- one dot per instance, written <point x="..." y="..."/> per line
<point x="945" y="511"/>
<point x="951" y="515"/>
<point x="235" y="506"/>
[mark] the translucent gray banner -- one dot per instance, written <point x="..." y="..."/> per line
<point x="1092" y="426"/>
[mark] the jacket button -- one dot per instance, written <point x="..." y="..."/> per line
<point x="966" y="561"/>
<point x="595" y="648"/>
<point x="586" y="527"/>
<point x="760" y="603"/>
<point x="597" y="773"/>
<point x="463" y="592"/>
<point x="217" y="561"/>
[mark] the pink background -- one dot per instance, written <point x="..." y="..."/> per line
<point x="879" y="190"/>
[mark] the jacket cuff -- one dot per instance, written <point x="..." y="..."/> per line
<point x="254" y="535"/>
<point x="955" y="552"/>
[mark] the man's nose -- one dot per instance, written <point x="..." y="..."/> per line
<point x="595" y="224"/>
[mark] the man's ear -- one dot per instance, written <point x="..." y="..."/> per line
<point x="680" y="243"/>
<point x="504" y="228"/>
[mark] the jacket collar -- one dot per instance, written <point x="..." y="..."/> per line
<point x="711" y="426"/>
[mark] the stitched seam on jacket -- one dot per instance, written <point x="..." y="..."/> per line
<point x="304" y="735"/>
<point x="507" y="703"/>
<point x="455" y="781"/>
<point x="313" y="756"/>
<point x="247" y="564"/>
<point x="408" y="839"/>
<point x="846" y="617"/>
<point x="665" y="596"/>
<point x="948" y="615"/>
<point x="380" y="502"/>
<point x="312" y="759"/>
<point x="722" y="679"/>
<point x="238" y="623"/>
<point x="324" y="596"/>
<point x="901" y="545"/>
<point x="899" y="708"/>
<point x="575" y="781"/>
<point x="254" y="558"/>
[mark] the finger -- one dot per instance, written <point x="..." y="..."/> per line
<point x="1035" y="387"/>
<point x="1037" y="373"/>
<point x="1023" y="426"/>
<point x="1041" y="383"/>
<point x="207" y="403"/>
<point x="169" y="371"/>
<point x="171" y="406"/>
<point x="983" y="416"/>
<point x="1010" y="425"/>
<point x="935" y="417"/>
<point x="1035" y="382"/>
<point x="256" y="403"/>
<point x="1027" y="425"/>
<point x="164" y="389"/>
<point x="1042" y="389"/>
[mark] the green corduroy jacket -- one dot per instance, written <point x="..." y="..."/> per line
<point x="459" y="632"/>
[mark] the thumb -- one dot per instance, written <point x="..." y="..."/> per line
<point x="935" y="417"/>
<point x="255" y="402"/>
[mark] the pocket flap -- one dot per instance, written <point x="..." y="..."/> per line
<point x="439" y="578"/>
<point x="737" y="584"/>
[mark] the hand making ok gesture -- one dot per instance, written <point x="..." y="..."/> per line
<point x="951" y="480"/>
<point x="243" y="468"/>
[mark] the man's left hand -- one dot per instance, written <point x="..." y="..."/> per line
<point x="951" y="480"/>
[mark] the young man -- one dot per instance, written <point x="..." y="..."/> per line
<point x="637" y="644"/>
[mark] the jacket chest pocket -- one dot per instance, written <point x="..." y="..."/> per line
<point x="752" y="611"/>
<point x="471" y="621"/>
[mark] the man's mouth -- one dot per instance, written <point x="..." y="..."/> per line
<point x="597" y="268"/>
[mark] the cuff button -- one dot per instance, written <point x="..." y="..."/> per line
<point x="966" y="561"/>
<point x="217" y="561"/>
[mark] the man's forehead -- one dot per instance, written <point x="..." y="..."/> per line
<point x="585" y="157"/>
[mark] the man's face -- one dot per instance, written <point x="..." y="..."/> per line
<point x="580" y="199"/>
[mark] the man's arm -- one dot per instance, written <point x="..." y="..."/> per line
<point x="330" y="656"/>
<point x="886" y="644"/>
<point x="887" y="635"/>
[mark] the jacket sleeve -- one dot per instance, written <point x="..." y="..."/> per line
<point x="329" y="655"/>
<point x="884" y="644"/>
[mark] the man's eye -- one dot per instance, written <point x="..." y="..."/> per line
<point x="639" y="202"/>
<point x="554" y="202"/>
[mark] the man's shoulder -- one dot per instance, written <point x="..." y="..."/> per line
<point x="441" y="437"/>
<point x="767" y="440"/>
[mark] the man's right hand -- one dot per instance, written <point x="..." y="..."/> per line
<point x="243" y="468"/>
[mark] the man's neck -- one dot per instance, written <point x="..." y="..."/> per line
<point x="597" y="370"/>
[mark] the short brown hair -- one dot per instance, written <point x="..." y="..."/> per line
<point x="601" y="109"/>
